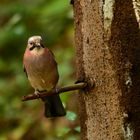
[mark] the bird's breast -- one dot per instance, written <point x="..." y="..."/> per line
<point x="41" y="70"/>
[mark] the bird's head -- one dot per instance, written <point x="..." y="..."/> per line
<point x="35" y="43"/>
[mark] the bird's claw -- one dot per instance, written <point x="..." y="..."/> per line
<point x="37" y="94"/>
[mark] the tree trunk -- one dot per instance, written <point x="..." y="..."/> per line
<point x="108" y="53"/>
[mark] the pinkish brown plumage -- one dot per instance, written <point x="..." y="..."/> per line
<point x="42" y="73"/>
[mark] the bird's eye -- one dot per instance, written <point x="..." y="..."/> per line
<point x="31" y="43"/>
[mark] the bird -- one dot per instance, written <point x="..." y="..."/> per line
<point x="42" y="72"/>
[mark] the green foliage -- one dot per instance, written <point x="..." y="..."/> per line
<point x="71" y="116"/>
<point x="52" y="19"/>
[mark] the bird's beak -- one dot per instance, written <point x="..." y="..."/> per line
<point x="37" y="45"/>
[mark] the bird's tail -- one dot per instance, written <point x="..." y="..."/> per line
<point x="53" y="106"/>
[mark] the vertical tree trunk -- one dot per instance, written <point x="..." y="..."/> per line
<point x="110" y="57"/>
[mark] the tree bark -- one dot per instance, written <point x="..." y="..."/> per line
<point x="108" y="52"/>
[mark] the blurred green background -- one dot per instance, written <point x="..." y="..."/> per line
<point x="20" y="19"/>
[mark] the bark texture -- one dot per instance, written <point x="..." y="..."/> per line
<point x="111" y="58"/>
<point x="125" y="43"/>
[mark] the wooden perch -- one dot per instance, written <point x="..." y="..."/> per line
<point x="54" y="91"/>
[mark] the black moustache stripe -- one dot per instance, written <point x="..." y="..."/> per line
<point x="32" y="48"/>
<point x="42" y="46"/>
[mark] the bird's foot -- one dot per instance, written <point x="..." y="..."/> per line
<point x="37" y="93"/>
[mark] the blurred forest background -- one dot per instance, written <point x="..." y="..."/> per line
<point x="53" y="20"/>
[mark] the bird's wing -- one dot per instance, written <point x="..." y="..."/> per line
<point x="53" y="56"/>
<point x="51" y="53"/>
<point x="25" y="71"/>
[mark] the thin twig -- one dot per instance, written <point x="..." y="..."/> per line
<point x="54" y="91"/>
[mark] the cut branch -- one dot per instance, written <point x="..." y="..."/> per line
<point x="54" y="91"/>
